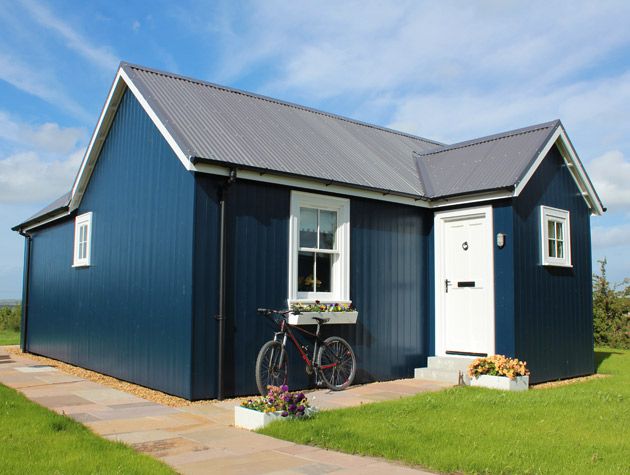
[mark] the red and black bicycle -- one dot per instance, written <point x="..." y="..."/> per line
<point x="333" y="361"/>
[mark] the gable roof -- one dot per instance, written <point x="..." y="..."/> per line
<point x="487" y="163"/>
<point x="213" y="129"/>
<point x="226" y="126"/>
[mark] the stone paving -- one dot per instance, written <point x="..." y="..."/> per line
<point x="200" y="438"/>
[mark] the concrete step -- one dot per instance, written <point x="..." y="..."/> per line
<point x="444" y="375"/>
<point x="453" y="363"/>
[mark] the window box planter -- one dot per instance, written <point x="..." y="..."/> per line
<point x="336" y="318"/>
<point x="253" y="420"/>
<point x="521" y="383"/>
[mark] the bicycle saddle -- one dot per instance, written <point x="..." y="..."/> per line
<point x="321" y="319"/>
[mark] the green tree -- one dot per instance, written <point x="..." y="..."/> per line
<point x="611" y="310"/>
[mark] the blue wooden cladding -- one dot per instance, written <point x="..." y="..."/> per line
<point x="553" y="305"/>
<point x="388" y="276"/>
<point x="128" y="314"/>
<point x="144" y="310"/>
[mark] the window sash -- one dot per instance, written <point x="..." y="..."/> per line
<point x="555" y="233"/>
<point x="329" y="241"/>
<point x="82" y="237"/>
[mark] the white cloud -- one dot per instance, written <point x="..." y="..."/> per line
<point x="98" y="55"/>
<point x="610" y="174"/>
<point x="27" y="178"/>
<point x="48" y="137"/>
<point x="135" y="25"/>
<point x="37" y="82"/>
<point x="611" y="236"/>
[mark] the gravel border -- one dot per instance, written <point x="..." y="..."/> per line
<point x="140" y="391"/>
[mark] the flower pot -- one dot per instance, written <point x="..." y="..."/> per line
<point x="252" y="420"/>
<point x="521" y="383"/>
<point x="336" y="318"/>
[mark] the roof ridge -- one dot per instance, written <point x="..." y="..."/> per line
<point x="277" y="101"/>
<point x="492" y="138"/>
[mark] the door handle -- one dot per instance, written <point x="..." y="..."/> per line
<point x="446" y="284"/>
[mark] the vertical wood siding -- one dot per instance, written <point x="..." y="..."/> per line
<point x="388" y="285"/>
<point x="128" y="314"/>
<point x="553" y="321"/>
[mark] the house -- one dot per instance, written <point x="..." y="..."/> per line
<point x="196" y="204"/>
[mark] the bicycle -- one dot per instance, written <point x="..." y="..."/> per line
<point x="333" y="359"/>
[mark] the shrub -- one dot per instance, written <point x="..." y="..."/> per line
<point x="10" y="318"/>
<point x="611" y="311"/>
<point x="498" y="365"/>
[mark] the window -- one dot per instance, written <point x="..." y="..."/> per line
<point x="320" y="248"/>
<point x="82" y="240"/>
<point x="556" y="237"/>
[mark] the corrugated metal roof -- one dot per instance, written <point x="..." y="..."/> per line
<point x="237" y="128"/>
<point x="488" y="163"/>
<point x="52" y="209"/>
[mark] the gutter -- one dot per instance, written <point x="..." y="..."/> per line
<point x="220" y="317"/>
<point x="26" y="290"/>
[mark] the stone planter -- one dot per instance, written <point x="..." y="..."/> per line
<point x="336" y="318"/>
<point x="521" y="383"/>
<point x="252" y="420"/>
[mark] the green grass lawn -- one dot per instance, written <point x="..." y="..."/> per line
<point x="578" y="428"/>
<point x="35" y="440"/>
<point x="9" y="337"/>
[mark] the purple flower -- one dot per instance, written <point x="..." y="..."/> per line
<point x="300" y="408"/>
<point x="284" y="388"/>
<point x="287" y="398"/>
<point x="292" y="408"/>
<point x="300" y="397"/>
<point x="284" y="414"/>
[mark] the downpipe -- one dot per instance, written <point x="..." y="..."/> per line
<point x="222" y="290"/>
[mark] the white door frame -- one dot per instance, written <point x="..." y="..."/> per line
<point x="439" y="220"/>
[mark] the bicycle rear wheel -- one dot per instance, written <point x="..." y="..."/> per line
<point x="271" y="366"/>
<point x="336" y="363"/>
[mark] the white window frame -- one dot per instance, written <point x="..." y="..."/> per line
<point x="340" y="290"/>
<point x="79" y="222"/>
<point x="547" y="214"/>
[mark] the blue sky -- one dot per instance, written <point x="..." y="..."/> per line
<point x="445" y="70"/>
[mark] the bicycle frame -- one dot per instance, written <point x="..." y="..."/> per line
<point x="286" y="331"/>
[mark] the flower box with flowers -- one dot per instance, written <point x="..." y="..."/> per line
<point x="499" y="372"/>
<point x="302" y="314"/>
<point x="278" y="404"/>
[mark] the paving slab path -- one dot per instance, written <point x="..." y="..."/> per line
<point x="200" y="438"/>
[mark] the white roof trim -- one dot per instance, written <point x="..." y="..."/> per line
<point x="574" y="166"/>
<point x="122" y="82"/>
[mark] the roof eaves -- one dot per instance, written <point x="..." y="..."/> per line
<point x="264" y="171"/>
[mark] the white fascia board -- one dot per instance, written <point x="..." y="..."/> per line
<point x="471" y="198"/>
<point x="573" y="164"/>
<point x="310" y="184"/>
<point x="158" y="123"/>
<point x="46" y="221"/>
<point x="96" y="141"/>
<point x="315" y="185"/>
<point x="121" y="83"/>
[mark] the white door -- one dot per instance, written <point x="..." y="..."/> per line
<point x="464" y="283"/>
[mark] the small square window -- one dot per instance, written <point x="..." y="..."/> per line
<point x="555" y="236"/>
<point x="82" y="240"/>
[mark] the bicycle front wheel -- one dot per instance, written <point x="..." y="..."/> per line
<point x="271" y="366"/>
<point x="336" y="363"/>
